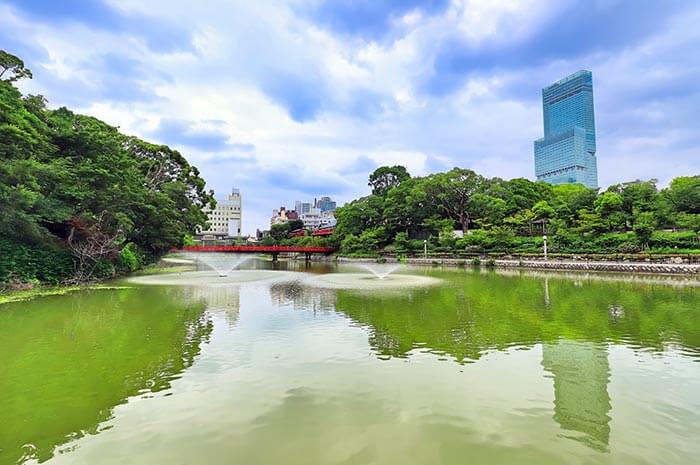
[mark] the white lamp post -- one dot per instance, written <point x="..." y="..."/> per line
<point x="545" y="246"/>
<point x="425" y="248"/>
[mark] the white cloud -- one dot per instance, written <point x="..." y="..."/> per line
<point x="371" y="104"/>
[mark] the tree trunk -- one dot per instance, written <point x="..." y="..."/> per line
<point x="464" y="221"/>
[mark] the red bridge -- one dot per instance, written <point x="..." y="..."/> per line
<point x="273" y="250"/>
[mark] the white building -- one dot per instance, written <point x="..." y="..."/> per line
<point x="226" y="218"/>
<point x="316" y="218"/>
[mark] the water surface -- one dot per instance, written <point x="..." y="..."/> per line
<point x="484" y="368"/>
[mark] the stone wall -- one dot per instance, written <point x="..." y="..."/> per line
<point x="605" y="266"/>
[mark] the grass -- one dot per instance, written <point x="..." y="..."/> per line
<point x="155" y="269"/>
<point x="41" y="291"/>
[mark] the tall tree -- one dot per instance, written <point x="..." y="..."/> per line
<point x="12" y="68"/>
<point x="385" y="178"/>
<point x="452" y="193"/>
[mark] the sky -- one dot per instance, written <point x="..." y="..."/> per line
<point x="296" y="99"/>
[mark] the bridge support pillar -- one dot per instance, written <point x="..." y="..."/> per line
<point x="274" y="256"/>
<point x="308" y="257"/>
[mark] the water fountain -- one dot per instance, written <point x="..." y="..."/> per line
<point x="220" y="270"/>
<point x="222" y="263"/>
<point x="376" y="276"/>
<point x="381" y="271"/>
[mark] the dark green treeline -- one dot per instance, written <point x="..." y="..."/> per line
<point x="78" y="199"/>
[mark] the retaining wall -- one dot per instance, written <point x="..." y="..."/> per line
<point x="606" y="266"/>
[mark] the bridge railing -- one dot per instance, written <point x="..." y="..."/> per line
<point x="256" y="249"/>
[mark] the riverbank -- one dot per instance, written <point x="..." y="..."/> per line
<point x="19" y="295"/>
<point x="565" y="265"/>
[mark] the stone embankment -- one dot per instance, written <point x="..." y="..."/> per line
<point x="572" y="265"/>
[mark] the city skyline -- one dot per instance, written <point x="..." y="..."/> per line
<point x="289" y="99"/>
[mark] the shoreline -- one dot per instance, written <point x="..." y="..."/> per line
<point x="684" y="269"/>
<point x="20" y="295"/>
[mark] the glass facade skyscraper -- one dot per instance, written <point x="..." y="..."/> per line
<point x="566" y="153"/>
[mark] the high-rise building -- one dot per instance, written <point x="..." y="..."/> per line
<point x="325" y="204"/>
<point x="566" y="153"/>
<point x="225" y="219"/>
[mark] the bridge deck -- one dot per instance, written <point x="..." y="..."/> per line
<point x="273" y="249"/>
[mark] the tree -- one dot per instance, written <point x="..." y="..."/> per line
<point x="519" y="193"/>
<point x="452" y="193"/>
<point x="401" y="242"/>
<point x="608" y="206"/>
<point x="12" y="68"/>
<point x="73" y="182"/>
<point x="384" y="178"/>
<point x="279" y="231"/>
<point x="640" y="196"/>
<point x="360" y="214"/>
<point x="293" y="225"/>
<point x="644" y="226"/>
<point x="684" y="194"/>
<point x="570" y="199"/>
<point x="543" y="212"/>
<point x="487" y="210"/>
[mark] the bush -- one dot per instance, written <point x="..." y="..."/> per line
<point x="401" y="242"/>
<point x="476" y="261"/>
<point x="129" y="258"/>
<point x="34" y="263"/>
<point x="628" y="247"/>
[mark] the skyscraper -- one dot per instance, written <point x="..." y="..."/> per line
<point x="326" y="204"/>
<point x="566" y="153"/>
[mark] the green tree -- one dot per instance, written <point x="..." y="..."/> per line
<point x="401" y="242"/>
<point x="12" y="68"/>
<point x="543" y="212"/>
<point x="644" y="226"/>
<point x="293" y="225"/>
<point x="72" y="181"/>
<point x="451" y="193"/>
<point x="487" y="210"/>
<point x="279" y="231"/>
<point x="684" y="194"/>
<point x="384" y="178"/>
<point x="608" y="206"/>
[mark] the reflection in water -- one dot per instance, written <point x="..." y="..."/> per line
<point x="472" y="317"/>
<point x="289" y="366"/>
<point x="581" y="402"/>
<point x="223" y="300"/>
<point x="302" y="297"/>
<point x="74" y="358"/>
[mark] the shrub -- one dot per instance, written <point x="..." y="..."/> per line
<point x="31" y="263"/>
<point x="628" y="247"/>
<point x="476" y="261"/>
<point x="401" y="242"/>
<point x="129" y="258"/>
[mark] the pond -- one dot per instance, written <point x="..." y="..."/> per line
<point x="479" y="367"/>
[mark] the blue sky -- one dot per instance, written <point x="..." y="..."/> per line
<point x="295" y="99"/>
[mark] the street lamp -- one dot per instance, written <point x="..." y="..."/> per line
<point x="425" y="248"/>
<point x="544" y="237"/>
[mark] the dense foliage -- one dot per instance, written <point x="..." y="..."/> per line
<point x="512" y="216"/>
<point x="73" y="183"/>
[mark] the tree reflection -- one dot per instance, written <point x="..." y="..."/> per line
<point x="69" y="360"/>
<point x="571" y="318"/>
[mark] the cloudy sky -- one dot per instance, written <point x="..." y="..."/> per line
<point x="294" y="99"/>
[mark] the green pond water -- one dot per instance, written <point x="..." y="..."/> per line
<point x="485" y="367"/>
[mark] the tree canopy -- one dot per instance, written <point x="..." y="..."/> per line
<point x="69" y="180"/>
<point x="495" y="214"/>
